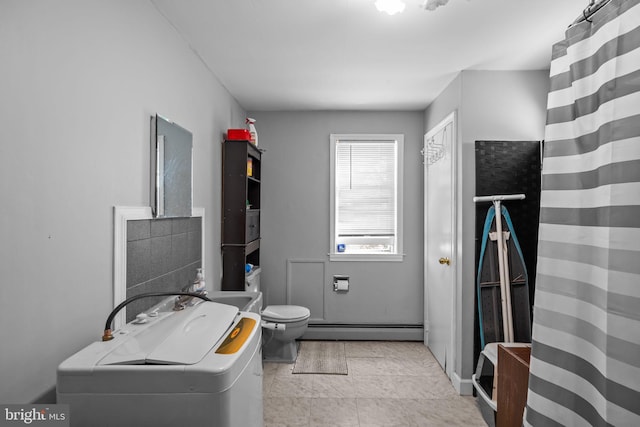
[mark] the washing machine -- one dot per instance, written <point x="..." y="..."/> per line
<point x="199" y="367"/>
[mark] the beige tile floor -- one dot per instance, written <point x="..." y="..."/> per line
<point x="394" y="384"/>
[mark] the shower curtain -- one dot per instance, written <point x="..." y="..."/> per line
<point x="585" y="362"/>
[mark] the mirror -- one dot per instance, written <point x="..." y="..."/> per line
<point x="171" y="162"/>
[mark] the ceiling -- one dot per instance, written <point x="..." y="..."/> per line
<point x="345" y="55"/>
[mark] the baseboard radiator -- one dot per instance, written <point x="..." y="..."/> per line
<point x="364" y="332"/>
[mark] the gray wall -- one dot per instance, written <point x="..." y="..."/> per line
<point x="79" y="82"/>
<point x="491" y="105"/>
<point x="295" y="220"/>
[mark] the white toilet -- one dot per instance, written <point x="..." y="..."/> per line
<point x="279" y="345"/>
<point x="282" y="325"/>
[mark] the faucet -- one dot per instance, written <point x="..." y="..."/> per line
<point x="108" y="333"/>
<point x="182" y="300"/>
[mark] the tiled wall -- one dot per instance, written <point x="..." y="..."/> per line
<point x="162" y="256"/>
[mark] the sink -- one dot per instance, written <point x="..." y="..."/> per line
<point x="245" y="301"/>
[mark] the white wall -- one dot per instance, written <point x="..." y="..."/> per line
<point x="79" y="81"/>
<point x="491" y="105"/>
<point x="295" y="216"/>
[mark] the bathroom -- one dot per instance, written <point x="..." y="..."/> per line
<point x="67" y="179"/>
<point x="75" y="134"/>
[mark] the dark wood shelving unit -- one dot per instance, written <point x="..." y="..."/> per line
<point x="241" y="172"/>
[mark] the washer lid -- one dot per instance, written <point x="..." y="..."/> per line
<point x="182" y="338"/>
<point x="285" y="313"/>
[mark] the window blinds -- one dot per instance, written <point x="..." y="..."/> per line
<point x="366" y="183"/>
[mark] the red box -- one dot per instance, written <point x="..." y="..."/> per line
<point x="238" y="135"/>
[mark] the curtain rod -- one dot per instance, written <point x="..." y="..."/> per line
<point x="592" y="8"/>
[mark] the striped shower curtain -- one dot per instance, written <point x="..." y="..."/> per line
<point x="585" y="362"/>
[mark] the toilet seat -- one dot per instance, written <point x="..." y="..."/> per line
<point x="285" y="313"/>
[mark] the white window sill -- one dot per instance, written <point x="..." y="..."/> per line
<point x="366" y="257"/>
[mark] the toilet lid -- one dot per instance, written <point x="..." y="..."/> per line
<point x="285" y="313"/>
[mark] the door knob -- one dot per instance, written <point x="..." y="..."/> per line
<point x="444" y="261"/>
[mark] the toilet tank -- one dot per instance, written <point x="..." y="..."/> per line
<point x="252" y="280"/>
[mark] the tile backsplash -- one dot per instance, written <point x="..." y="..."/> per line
<point x="162" y="256"/>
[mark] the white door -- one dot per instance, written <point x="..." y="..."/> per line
<point x="439" y="241"/>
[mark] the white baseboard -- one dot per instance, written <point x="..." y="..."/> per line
<point x="464" y="387"/>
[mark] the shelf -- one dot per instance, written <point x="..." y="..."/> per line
<point x="241" y="164"/>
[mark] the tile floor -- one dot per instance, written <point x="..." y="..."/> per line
<point x="391" y="384"/>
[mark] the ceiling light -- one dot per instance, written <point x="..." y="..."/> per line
<point x="390" y="6"/>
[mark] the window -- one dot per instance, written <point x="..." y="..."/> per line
<point x="366" y="197"/>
